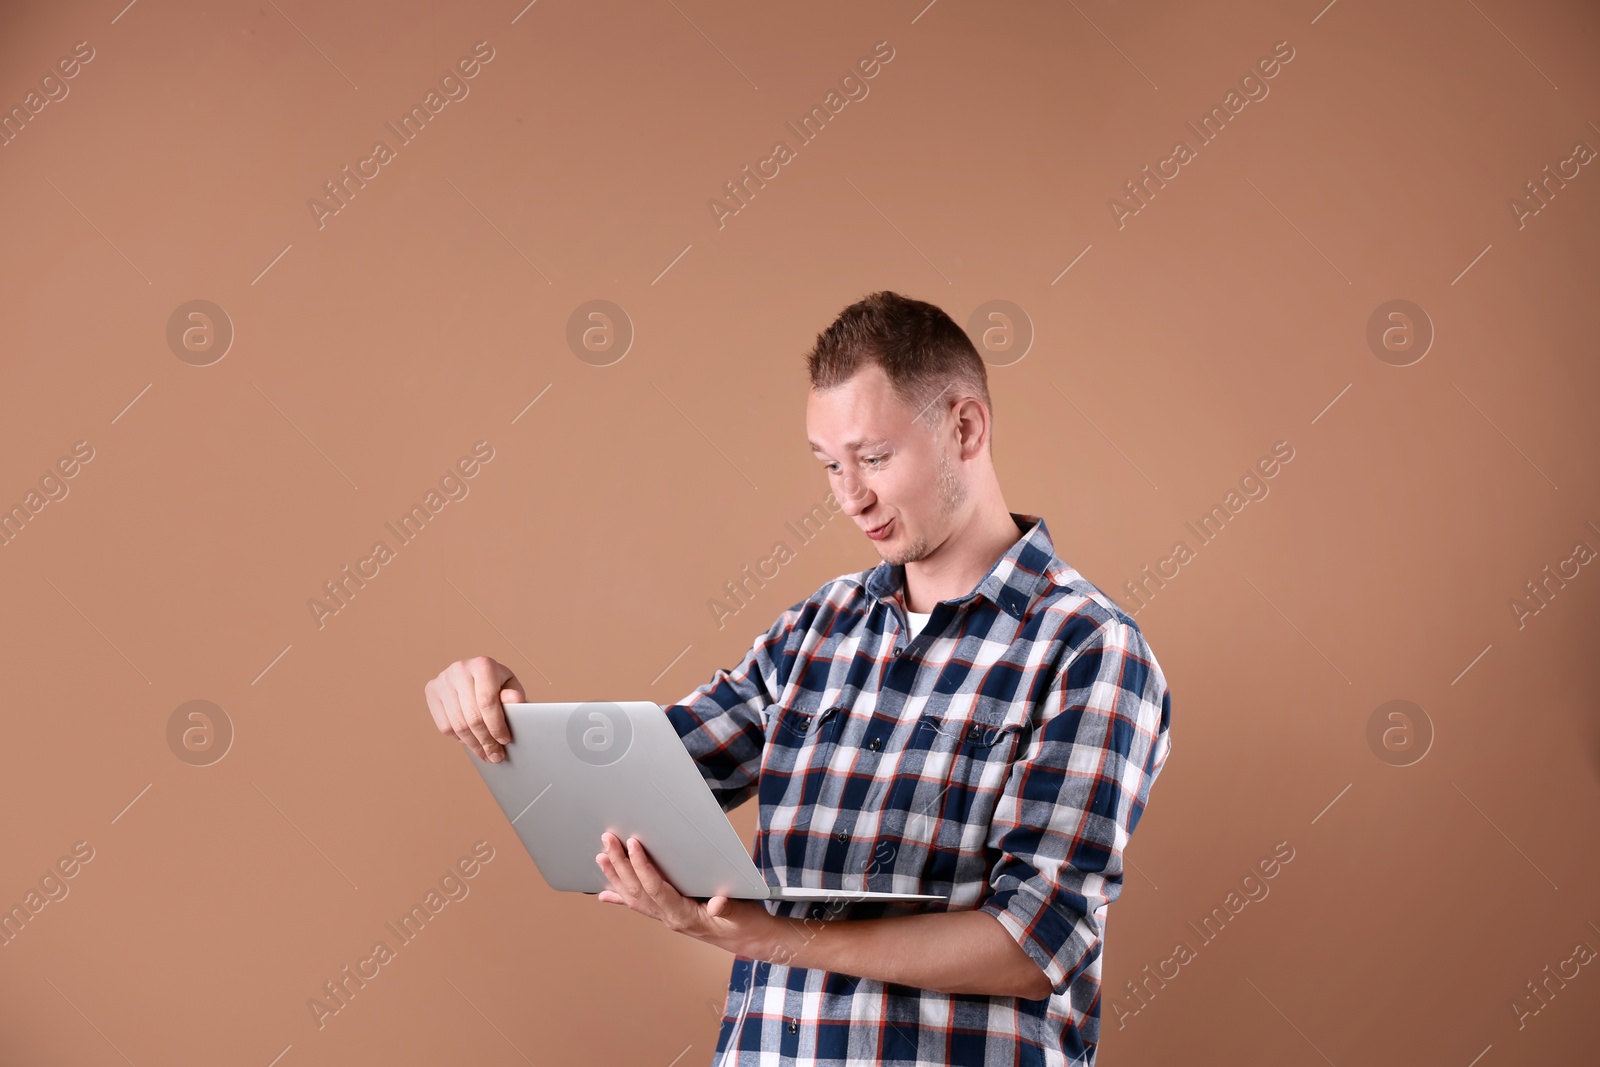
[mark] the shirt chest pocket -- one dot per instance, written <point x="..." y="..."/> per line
<point x="952" y="783"/>
<point x="804" y="724"/>
<point x="802" y="741"/>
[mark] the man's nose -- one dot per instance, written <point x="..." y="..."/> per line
<point x="853" y="495"/>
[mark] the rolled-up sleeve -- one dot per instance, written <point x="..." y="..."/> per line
<point x="723" y="722"/>
<point x="1072" y="798"/>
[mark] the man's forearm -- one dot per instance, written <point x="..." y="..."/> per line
<point x="950" y="952"/>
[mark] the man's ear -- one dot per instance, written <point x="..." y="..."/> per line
<point x="971" y="425"/>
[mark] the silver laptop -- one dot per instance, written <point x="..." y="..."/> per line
<point x="574" y="770"/>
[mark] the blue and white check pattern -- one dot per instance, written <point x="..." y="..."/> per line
<point x="1004" y="757"/>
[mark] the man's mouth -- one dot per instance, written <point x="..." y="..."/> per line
<point x="881" y="532"/>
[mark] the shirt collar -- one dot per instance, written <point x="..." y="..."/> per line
<point x="1011" y="583"/>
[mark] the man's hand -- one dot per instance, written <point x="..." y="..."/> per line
<point x="964" y="951"/>
<point x="743" y="927"/>
<point x="467" y="699"/>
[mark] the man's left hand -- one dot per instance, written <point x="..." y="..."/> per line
<point x="743" y="927"/>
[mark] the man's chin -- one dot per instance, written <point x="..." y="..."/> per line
<point x="897" y="557"/>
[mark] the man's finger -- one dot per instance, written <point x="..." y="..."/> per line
<point x="458" y="723"/>
<point x="649" y="875"/>
<point x="467" y="690"/>
<point x="488" y="687"/>
<point x="511" y="690"/>
<point x="602" y="861"/>
<point x="674" y="910"/>
<point x="608" y="867"/>
<point x="621" y="867"/>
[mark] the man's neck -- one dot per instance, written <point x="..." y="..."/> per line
<point x="962" y="561"/>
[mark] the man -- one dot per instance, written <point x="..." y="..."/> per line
<point x="970" y="716"/>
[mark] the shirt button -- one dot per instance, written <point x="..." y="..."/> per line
<point x="794" y="1027"/>
<point x="844" y="835"/>
<point x="974" y="733"/>
<point x="876" y="744"/>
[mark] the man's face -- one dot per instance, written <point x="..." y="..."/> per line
<point x="885" y="468"/>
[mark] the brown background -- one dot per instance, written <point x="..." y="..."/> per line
<point x="428" y="314"/>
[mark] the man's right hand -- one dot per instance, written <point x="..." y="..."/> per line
<point x="466" y="700"/>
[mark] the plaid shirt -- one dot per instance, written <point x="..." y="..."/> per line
<point x="1003" y="756"/>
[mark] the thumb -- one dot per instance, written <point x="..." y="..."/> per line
<point x="511" y="690"/>
<point x="716" y="906"/>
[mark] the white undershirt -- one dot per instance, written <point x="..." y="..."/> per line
<point x="917" y="622"/>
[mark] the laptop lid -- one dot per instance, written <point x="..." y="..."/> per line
<point x="576" y="769"/>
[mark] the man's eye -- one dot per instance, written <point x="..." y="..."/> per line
<point x="875" y="460"/>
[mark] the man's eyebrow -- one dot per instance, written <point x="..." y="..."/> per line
<point x="851" y="446"/>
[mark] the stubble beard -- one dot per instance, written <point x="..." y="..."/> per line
<point x="952" y="494"/>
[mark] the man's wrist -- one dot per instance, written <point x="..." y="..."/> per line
<point x="771" y="939"/>
<point x="788" y="937"/>
<point x="755" y="932"/>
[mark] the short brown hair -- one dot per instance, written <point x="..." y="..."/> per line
<point x="921" y="350"/>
